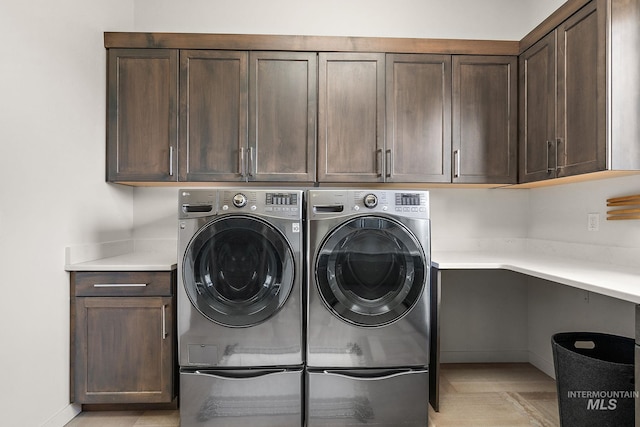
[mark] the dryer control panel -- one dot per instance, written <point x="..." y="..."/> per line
<point x="412" y="203"/>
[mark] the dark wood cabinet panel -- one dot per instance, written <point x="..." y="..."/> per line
<point x="581" y="94"/>
<point x="563" y="100"/>
<point x="484" y="119"/>
<point x="247" y="116"/>
<point x="124" y="345"/>
<point x="122" y="283"/>
<point x="282" y="116"/>
<point x="537" y="80"/>
<point x="142" y="115"/>
<point x="351" y="117"/>
<point x="418" y="104"/>
<point x="213" y="115"/>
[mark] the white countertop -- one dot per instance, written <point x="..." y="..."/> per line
<point x="607" y="279"/>
<point x="133" y="261"/>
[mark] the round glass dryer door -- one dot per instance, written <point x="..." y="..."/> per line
<point x="238" y="271"/>
<point x="370" y="271"/>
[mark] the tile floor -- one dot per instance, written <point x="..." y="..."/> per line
<point x="472" y="395"/>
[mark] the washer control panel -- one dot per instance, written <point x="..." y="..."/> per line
<point x="197" y="203"/>
<point x="275" y="203"/>
<point x="370" y="201"/>
<point x="282" y="199"/>
<point x="239" y="200"/>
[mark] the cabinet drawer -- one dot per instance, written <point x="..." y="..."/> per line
<point x="122" y="283"/>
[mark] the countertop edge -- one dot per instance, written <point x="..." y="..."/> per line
<point x="134" y="261"/>
<point x="612" y="280"/>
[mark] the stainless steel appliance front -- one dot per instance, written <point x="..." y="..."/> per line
<point x="367" y="397"/>
<point x="241" y="398"/>
<point x="368" y="275"/>
<point x="239" y="273"/>
<point x="367" y="308"/>
<point x="240" y="310"/>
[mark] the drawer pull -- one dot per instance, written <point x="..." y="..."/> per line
<point x="119" y="285"/>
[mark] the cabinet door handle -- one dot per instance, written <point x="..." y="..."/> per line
<point x="119" y="285"/>
<point x="164" y="321"/>
<point x="379" y="162"/>
<point x="558" y="142"/>
<point x="388" y="164"/>
<point x="456" y="164"/>
<point x="171" y="160"/>
<point x="549" y="168"/>
<point x="250" y="171"/>
<point x="241" y="162"/>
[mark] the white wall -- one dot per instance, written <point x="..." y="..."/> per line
<point x="461" y="19"/>
<point x="553" y="308"/>
<point x="483" y="317"/>
<point x="52" y="192"/>
<point x="560" y="213"/>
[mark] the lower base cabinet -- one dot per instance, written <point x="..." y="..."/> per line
<point x="123" y="337"/>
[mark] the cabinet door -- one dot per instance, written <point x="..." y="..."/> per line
<point x="124" y="350"/>
<point x="485" y="119"/>
<point x="213" y="115"/>
<point x="282" y="116"/>
<point x="142" y="116"/>
<point x="538" y="110"/>
<point x="351" y="117"/>
<point x="581" y="94"/>
<point x="418" y="144"/>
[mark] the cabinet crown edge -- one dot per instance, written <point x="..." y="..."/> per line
<point x="153" y="40"/>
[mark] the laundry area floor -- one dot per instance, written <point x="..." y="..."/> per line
<point x="471" y="395"/>
<point x="505" y="394"/>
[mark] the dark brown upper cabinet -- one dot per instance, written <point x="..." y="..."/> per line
<point x="581" y="111"/>
<point x="142" y="115"/>
<point x="418" y="142"/>
<point x="579" y="90"/>
<point x="563" y="107"/>
<point x="247" y="116"/>
<point x="241" y="116"/>
<point x="384" y="118"/>
<point x="537" y="83"/>
<point x="214" y="88"/>
<point x="283" y="110"/>
<point x="351" y="117"/>
<point x="485" y="119"/>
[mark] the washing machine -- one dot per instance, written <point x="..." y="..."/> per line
<point x="240" y="311"/>
<point x="368" y="307"/>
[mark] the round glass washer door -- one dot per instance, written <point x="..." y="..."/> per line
<point x="238" y="271"/>
<point x="370" y="271"/>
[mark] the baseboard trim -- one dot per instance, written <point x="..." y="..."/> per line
<point x="515" y="356"/>
<point x="63" y="416"/>
<point x="543" y="364"/>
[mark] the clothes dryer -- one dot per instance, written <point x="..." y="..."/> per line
<point x="368" y="307"/>
<point x="240" y="312"/>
